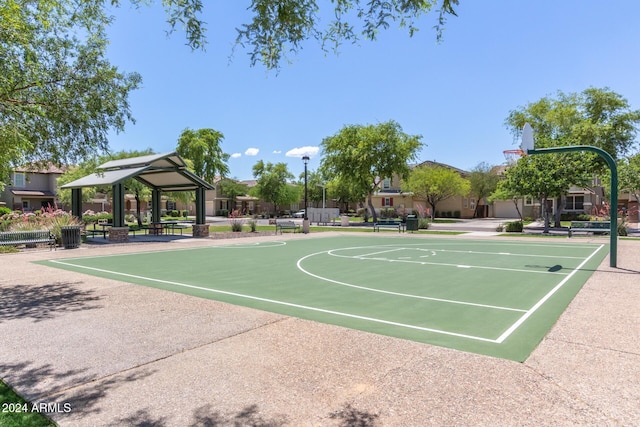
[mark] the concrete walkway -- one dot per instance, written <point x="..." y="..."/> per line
<point x="104" y="353"/>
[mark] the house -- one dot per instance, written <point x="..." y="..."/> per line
<point x="32" y="188"/>
<point x="578" y="200"/>
<point x="390" y="196"/>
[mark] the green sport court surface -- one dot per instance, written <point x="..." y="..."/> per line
<point x="493" y="297"/>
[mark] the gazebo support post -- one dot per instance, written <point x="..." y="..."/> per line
<point x="76" y="202"/>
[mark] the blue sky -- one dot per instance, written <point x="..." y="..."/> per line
<point x="497" y="55"/>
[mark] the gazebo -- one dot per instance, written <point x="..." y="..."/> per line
<point x="160" y="172"/>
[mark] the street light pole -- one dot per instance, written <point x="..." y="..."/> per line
<point x="305" y="221"/>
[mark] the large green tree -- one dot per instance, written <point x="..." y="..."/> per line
<point x="202" y="148"/>
<point x="273" y="184"/>
<point x="362" y="156"/>
<point x="59" y="96"/>
<point x="545" y="176"/>
<point x="596" y="116"/>
<point x="437" y="183"/>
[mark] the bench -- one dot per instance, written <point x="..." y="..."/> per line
<point x="287" y="225"/>
<point x="389" y="223"/>
<point x="595" y="227"/>
<point x="27" y="237"/>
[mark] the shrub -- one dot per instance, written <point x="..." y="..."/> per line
<point x="174" y="214"/>
<point x="423" y="223"/>
<point x="4" y="210"/>
<point x="456" y="214"/>
<point x="514" y="227"/>
<point x="253" y="224"/>
<point x="185" y="213"/>
<point x="622" y="230"/>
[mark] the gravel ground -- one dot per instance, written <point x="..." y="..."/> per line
<point x="104" y="353"/>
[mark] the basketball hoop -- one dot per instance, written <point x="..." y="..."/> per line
<point x="512" y="156"/>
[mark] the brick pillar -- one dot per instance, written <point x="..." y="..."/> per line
<point x="119" y="234"/>
<point x="200" y="230"/>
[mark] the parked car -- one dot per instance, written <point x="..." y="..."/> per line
<point x="299" y="214"/>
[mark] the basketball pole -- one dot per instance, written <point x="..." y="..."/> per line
<point x="613" y="214"/>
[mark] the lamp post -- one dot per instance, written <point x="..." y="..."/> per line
<point x="305" y="221"/>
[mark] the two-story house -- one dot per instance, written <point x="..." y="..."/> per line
<point x="31" y="189"/>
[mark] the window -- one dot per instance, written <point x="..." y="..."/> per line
<point x="574" y="203"/>
<point x="472" y="203"/>
<point x="19" y="180"/>
<point x="386" y="183"/>
<point x="387" y="201"/>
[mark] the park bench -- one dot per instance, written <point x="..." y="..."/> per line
<point x="27" y="237"/>
<point x="389" y="223"/>
<point x="595" y="227"/>
<point x="287" y="225"/>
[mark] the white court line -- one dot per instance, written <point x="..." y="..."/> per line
<point x="288" y="304"/>
<point x="265" y="245"/>
<point x="379" y="252"/>
<point x="444" y="264"/>
<point x="382" y="291"/>
<point x="533" y="309"/>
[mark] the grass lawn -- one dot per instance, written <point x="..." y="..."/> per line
<point x="16" y="412"/>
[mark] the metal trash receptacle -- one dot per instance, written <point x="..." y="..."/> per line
<point x="412" y="223"/>
<point x="70" y="236"/>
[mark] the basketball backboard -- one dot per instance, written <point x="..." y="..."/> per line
<point x="527" y="139"/>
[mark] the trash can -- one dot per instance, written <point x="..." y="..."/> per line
<point x="344" y="221"/>
<point x="412" y="223"/>
<point x="70" y="236"/>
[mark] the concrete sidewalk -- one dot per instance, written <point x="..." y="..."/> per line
<point x="106" y="353"/>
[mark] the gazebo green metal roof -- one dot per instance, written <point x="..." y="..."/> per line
<point x="160" y="172"/>
<point x="165" y="172"/>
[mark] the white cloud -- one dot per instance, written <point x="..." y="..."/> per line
<point x="299" y="152"/>
<point x="236" y="155"/>
<point x="277" y="151"/>
<point x="252" y="152"/>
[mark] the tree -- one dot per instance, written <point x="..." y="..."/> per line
<point x="232" y="189"/>
<point x="362" y="156"/>
<point x="202" y="148"/>
<point x="483" y="180"/>
<point x="534" y="176"/>
<point x="59" y="96"/>
<point x="629" y="175"/>
<point x="596" y="117"/>
<point x="282" y="26"/>
<point x="437" y="183"/>
<point x="315" y="182"/>
<point x="273" y="184"/>
<point x="344" y="193"/>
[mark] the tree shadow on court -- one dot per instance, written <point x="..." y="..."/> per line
<point x="41" y="302"/>
<point x="349" y="416"/>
